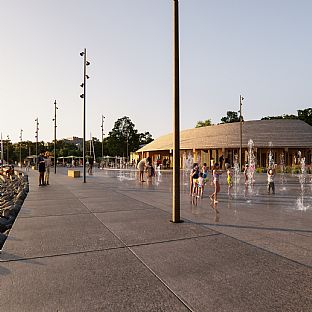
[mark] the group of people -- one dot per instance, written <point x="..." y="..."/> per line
<point x="145" y="165"/>
<point x="199" y="178"/>
<point x="44" y="165"/>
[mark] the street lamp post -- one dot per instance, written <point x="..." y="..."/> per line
<point x="8" y="149"/>
<point x="176" y="118"/>
<point x="127" y="146"/>
<point x="37" y="132"/>
<point x="21" y="139"/>
<point x="102" y="126"/>
<point x="240" y="131"/>
<point x="84" y="96"/>
<point x="55" y="108"/>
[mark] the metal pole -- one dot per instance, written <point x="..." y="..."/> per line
<point x="21" y="137"/>
<point x="8" y="149"/>
<point x="127" y="146"/>
<point x="102" y="136"/>
<point x="240" y="132"/>
<point x="176" y="119"/>
<point x="55" y="108"/>
<point x="37" y="132"/>
<point x="84" y="115"/>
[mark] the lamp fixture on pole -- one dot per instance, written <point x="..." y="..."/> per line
<point x="102" y="126"/>
<point x="83" y="96"/>
<point x="37" y="133"/>
<point x="54" y="119"/>
<point x="21" y="139"/>
<point x="240" y="131"/>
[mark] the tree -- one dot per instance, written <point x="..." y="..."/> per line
<point x="145" y="138"/>
<point x="204" y="123"/>
<point x="123" y="135"/>
<point x="230" y="117"/>
<point x="305" y="115"/>
<point x="285" y="116"/>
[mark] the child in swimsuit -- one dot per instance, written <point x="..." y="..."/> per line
<point x="229" y="175"/>
<point x="215" y="173"/>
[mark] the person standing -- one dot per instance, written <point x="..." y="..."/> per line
<point x="215" y="173"/>
<point x="47" y="162"/>
<point x="271" y="184"/>
<point x="41" y="168"/>
<point x="90" y="168"/>
<point x="141" y="166"/>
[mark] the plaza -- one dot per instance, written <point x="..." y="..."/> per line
<point x="109" y="245"/>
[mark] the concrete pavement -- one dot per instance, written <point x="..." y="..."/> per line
<point x="108" y="245"/>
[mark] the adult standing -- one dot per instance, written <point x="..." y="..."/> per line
<point x="91" y="162"/>
<point x="221" y="160"/>
<point x="141" y="167"/>
<point x="41" y="168"/>
<point x="47" y="162"/>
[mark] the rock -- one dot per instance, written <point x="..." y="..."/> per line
<point x="3" y="237"/>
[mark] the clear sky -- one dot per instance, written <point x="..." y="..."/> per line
<point x="260" y="49"/>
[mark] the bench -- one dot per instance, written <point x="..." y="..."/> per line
<point x="73" y="173"/>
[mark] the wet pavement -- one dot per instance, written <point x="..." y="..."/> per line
<point x="109" y="245"/>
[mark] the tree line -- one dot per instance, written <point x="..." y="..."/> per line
<point x="232" y="116"/>
<point x="122" y="139"/>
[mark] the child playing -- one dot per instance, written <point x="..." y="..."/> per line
<point x="193" y="177"/>
<point x="200" y="185"/>
<point x="229" y="175"/>
<point x="271" y="180"/>
<point x="215" y="174"/>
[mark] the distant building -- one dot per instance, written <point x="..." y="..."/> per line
<point x="73" y="140"/>
<point x="285" y="138"/>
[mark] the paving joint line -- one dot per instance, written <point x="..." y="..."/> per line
<point x="227" y="235"/>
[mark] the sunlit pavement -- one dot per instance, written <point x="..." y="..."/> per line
<point x="280" y="222"/>
<point x="109" y="245"/>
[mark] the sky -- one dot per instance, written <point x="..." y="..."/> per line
<point x="260" y="49"/>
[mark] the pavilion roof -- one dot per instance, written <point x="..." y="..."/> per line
<point x="281" y="132"/>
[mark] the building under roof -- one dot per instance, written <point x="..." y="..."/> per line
<point x="283" y="137"/>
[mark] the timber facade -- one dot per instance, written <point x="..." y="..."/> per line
<point x="288" y="140"/>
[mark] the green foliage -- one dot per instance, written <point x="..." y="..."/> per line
<point x="230" y="117"/>
<point x="204" y="123"/>
<point x="285" y="116"/>
<point x="125" y="138"/>
<point x="304" y="115"/>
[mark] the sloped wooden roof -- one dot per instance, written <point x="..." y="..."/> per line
<point x="282" y="133"/>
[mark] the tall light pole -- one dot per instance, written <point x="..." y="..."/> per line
<point x="240" y="131"/>
<point x="37" y="132"/>
<point x="21" y="139"/>
<point x="127" y="145"/>
<point x="102" y="126"/>
<point x="55" y="108"/>
<point x="8" y="149"/>
<point x="84" y="96"/>
<point x="176" y="118"/>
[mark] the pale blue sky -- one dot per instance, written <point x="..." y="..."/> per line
<point x="260" y="49"/>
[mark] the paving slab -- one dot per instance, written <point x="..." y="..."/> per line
<point x="53" y="235"/>
<point x="149" y="226"/>
<point x="120" y="203"/>
<point x="52" y="207"/>
<point x="217" y="273"/>
<point x="111" y="280"/>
